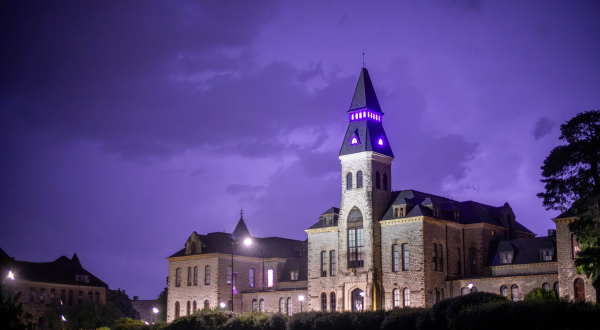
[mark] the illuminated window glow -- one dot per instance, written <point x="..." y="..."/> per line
<point x="380" y="142"/>
<point x="270" y="278"/>
<point x="354" y="141"/>
<point x="352" y="117"/>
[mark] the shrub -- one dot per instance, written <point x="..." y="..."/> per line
<point x="446" y="310"/>
<point x="204" y="319"/>
<point x="540" y="293"/>
<point x="129" y="324"/>
<point x="247" y="321"/>
<point x="337" y="321"/>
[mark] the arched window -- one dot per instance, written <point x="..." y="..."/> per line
<point x="289" y="306"/>
<point x="355" y="215"/>
<point x="332" y="301"/>
<point x="464" y="291"/>
<point x="458" y="264"/>
<point x="442" y="293"/>
<point x="251" y="277"/>
<point x="385" y="183"/>
<point x="472" y="261"/>
<point x="396" y="295"/>
<point x="355" y="239"/>
<point x="178" y="277"/>
<point x="349" y="181"/>
<point x="324" y="302"/>
<point x="434" y="265"/>
<point x="395" y="259"/>
<point x="254" y="305"/>
<point x="515" y="292"/>
<point x="579" y="290"/>
<point x="195" y="275"/>
<point x="189" y="308"/>
<point x="436" y="296"/>
<point x="207" y="275"/>
<point x="546" y="286"/>
<point x="406" y="294"/>
<point x="189" y="281"/>
<point x="194" y="306"/>
<point x="177" y="310"/>
<point x="206" y="304"/>
<point x="377" y="180"/>
<point x="281" y="305"/>
<point x="504" y="291"/>
<point x="359" y="179"/>
<point x="193" y="248"/>
<point x="474" y="289"/>
<point x="556" y="290"/>
<point x="261" y="305"/>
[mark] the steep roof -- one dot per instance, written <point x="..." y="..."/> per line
<point x="526" y="251"/>
<point x="322" y="224"/>
<point x="364" y="94"/>
<point x="293" y="264"/>
<point x="369" y="132"/>
<point x="241" y="230"/>
<point x="470" y="211"/>
<point x="60" y="271"/>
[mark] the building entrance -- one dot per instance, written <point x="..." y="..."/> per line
<point x="358" y="300"/>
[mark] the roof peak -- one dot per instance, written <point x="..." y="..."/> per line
<point x="241" y="230"/>
<point x="364" y="94"/>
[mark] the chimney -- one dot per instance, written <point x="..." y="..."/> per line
<point x="551" y="232"/>
<point x="123" y="292"/>
<point x="135" y="298"/>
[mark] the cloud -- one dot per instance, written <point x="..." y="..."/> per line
<point x="236" y="189"/>
<point x="542" y="128"/>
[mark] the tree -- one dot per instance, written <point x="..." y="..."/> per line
<point x="572" y="181"/>
<point x="162" y="305"/>
<point x="11" y="312"/>
<point x="123" y="303"/>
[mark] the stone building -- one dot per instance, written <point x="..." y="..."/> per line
<point x="381" y="249"/>
<point x="43" y="285"/>
<point x="146" y="309"/>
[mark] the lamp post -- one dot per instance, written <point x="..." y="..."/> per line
<point x="63" y="321"/>
<point x="222" y="305"/>
<point x="362" y="303"/>
<point x="247" y="242"/>
<point x="301" y="298"/>
<point x="155" y="310"/>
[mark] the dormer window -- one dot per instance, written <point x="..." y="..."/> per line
<point x="436" y="211"/>
<point x="547" y="255"/>
<point x="399" y="212"/>
<point x="294" y="275"/>
<point x="456" y="215"/>
<point x="506" y="257"/>
<point x="82" y="278"/>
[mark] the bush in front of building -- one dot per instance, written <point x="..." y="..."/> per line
<point x="367" y="320"/>
<point x="130" y="324"/>
<point x="408" y="319"/>
<point x="205" y="319"/>
<point x="531" y="314"/>
<point x="540" y="293"/>
<point x="446" y="310"/>
<point x="248" y="321"/>
<point x="90" y="315"/>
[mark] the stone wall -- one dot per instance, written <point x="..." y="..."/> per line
<point x="144" y="307"/>
<point x="525" y="283"/>
<point x="325" y="239"/>
<point x="537" y="268"/>
<point x="272" y="299"/>
<point x="567" y="273"/>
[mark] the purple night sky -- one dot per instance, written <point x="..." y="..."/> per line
<point x="125" y="126"/>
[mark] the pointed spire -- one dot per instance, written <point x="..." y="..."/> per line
<point x="75" y="259"/>
<point x="241" y="230"/>
<point x="364" y="94"/>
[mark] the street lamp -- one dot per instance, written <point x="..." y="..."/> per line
<point x="301" y="298"/>
<point x="470" y="286"/>
<point x="155" y="310"/>
<point x="247" y="242"/>
<point x="11" y="275"/>
<point x="63" y="321"/>
<point x="222" y="305"/>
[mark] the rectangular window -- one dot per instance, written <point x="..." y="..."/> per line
<point x="229" y="274"/>
<point x="97" y="295"/>
<point x="70" y="302"/>
<point x="332" y="263"/>
<point x="441" y="257"/>
<point x="355" y="248"/>
<point x="294" y="275"/>
<point x="52" y="296"/>
<point x="80" y="298"/>
<point x="546" y="255"/>
<point x="576" y="248"/>
<point x="251" y="277"/>
<point x="42" y="295"/>
<point x="506" y="257"/>
<point x="396" y="212"/>
<point x="434" y="257"/>
<point x="207" y="275"/>
<point x="323" y="264"/>
<point x="405" y="257"/>
<point x="269" y="278"/>
<point x="196" y="275"/>
<point x="178" y="277"/>
<point x="90" y="296"/>
<point x="189" y="279"/>
<point x="395" y="258"/>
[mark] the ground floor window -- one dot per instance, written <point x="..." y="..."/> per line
<point x="254" y="305"/>
<point x="177" y="309"/>
<point x="464" y="291"/>
<point x="332" y="301"/>
<point x="396" y="296"/>
<point x="406" y="293"/>
<point x="281" y="305"/>
<point x="324" y="302"/>
<point x="289" y="306"/>
<point x="504" y="291"/>
<point x="579" y="290"/>
<point x="261" y="305"/>
<point x="515" y="292"/>
<point x="357" y="300"/>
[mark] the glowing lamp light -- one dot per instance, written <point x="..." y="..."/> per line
<point x="247" y="241"/>
<point x="352" y="116"/>
<point x="222" y="305"/>
<point x="301" y="298"/>
<point x="470" y="286"/>
<point x="155" y="310"/>
<point x="146" y="323"/>
<point x="362" y="294"/>
<point x="63" y="318"/>
<point x="380" y="142"/>
<point x="11" y="275"/>
<point x="354" y="141"/>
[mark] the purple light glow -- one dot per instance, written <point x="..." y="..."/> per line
<point x="380" y="142"/>
<point x="352" y="118"/>
<point x="354" y="141"/>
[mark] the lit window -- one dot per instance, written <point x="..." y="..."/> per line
<point x="269" y="278"/>
<point x="406" y="295"/>
<point x="504" y="291"/>
<point x="396" y="294"/>
<point x="506" y="257"/>
<point x="354" y="141"/>
<point x="229" y="274"/>
<point x="380" y="142"/>
<point x="352" y="116"/>
<point x="251" y="277"/>
<point x="294" y="275"/>
<point x="546" y="255"/>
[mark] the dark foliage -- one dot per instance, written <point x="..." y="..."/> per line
<point x="90" y="315"/>
<point x="162" y="305"/>
<point x="540" y="293"/>
<point x="446" y="310"/>
<point x="408" y="319"/>
<point x="337" y="321"/>
<point x="205" y="319"/>
<point x="123" y="303"/>
<point x="11" y="312"/>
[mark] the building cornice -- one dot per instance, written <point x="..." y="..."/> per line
<point x="321" y="230"/>
<point x="517" y="266"/>
<point x="564" y="220"/>
<point x="495" y="278"/>
<point x="222" y="255"/>
<point x="392" y="222"/>
<point x="368" y="155"/>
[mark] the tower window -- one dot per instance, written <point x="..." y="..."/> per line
<point x="434" y="257"/>
<point x="395" y="258"/>
<point x="458" y="264"/>
<point x="323" y="263"/>
<point x="355" y="248"/>
<point x="332" y="263"/>
<point x="178" y="277"/>
<point x="385" y="183"/>
<point x="359" y="179"/>
<point x="349" y="181"/>
<point x="380" y="142"/>
<point x="207" y="275"/>
<point x="377" y="180"/>
<point x="405" y="260"/>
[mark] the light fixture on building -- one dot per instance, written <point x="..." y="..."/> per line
<point x="222" y="305"/>
<point x="470" y="286"/>
<point x="301" y="298"/>
<point x="362" y="294"/>
<point x="63" y="318"/>
<point x="11" y="275"/>
<point x="247" y="241"/>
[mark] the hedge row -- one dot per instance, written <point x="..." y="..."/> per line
<point x="479" y="310"/>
